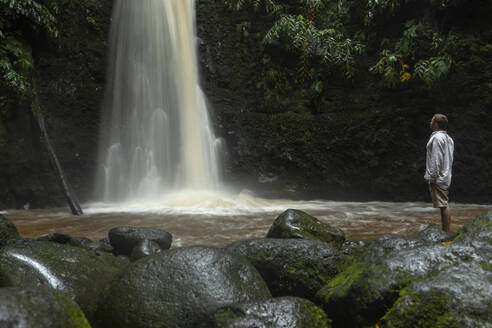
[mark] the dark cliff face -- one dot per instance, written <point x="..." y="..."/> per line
<point x="364" y="142"/>
<point x="71" y="73"/>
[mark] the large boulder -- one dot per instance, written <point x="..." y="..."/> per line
<point x="290" y="267"/>
<point x="383" y="272"/>
<point x="457" y="297"/>
<point x="7" y="230"/>
<point x="283" y="312"/>
<point x="298" y="224"/>
<point x="124" y="239"/>
<point x="78" y="273"/>
<point x="181" y="287"/>
<point x="39" y="308"/>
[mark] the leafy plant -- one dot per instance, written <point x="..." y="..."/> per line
<point x="15" y="54"/>
<point x="394" y="66"/>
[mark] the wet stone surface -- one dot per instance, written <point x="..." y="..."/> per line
<point x="290" y="267"/>
<point x="181" y="287"/>
<point x="145" y="248"/>
<point x="298" y="224"/>
<point x="282" y="312"/>
<point x="392" y="280"/>
<point x="124" y="239"/>
<point x="80" y="274"/>
<point x="39" y="308"/>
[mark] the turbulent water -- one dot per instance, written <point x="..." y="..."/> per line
<point x="221" y="220"/>
<point x="156" y="136"/>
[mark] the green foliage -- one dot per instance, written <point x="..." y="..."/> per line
<point x="300" y="35"/>
<point x="310" y="35"/>
<point x="394" y="65"/>
<point x="15" y="53"/>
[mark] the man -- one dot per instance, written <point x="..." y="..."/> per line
<point x="439" y="163"/>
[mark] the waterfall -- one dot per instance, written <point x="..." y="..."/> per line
<point x="156" y="136"/>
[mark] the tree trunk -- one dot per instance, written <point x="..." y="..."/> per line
<point x="71" y="198"/>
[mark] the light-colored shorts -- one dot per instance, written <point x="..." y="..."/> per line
<point x="440" y="197"/>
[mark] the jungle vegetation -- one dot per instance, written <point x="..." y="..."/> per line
<point x="351" y="39"/>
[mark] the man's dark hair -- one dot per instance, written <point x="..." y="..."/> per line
<point x="441" y="120"/>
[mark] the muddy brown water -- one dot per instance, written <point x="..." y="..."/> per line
<point x="219" y="226"/>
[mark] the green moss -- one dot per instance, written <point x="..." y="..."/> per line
<point x="319" y="318"/>
<point x="430" y="310"/>
<point x="7" y="229"/>
<point x="342" y="282"/>
<point x="486" y="265"/>
<point x="73" y="315"/>
<point x="225" y="314"/>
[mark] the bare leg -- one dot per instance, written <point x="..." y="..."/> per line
<point x="445" y="219"/>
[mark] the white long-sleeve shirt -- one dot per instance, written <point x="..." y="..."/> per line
<point x="439" y="162"/>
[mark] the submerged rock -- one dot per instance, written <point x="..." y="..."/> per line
<point x="124" y="239"/>
<point x="298" y="224"/>
<point x="290" y="267"/>
<point x="181" y="287"/>
<point x="389" y="267"/>
<point x="7" y="230"/>
<point x="39" y="308"/>
<point x="78" y="273"/>
<point x="145" y="248"/>
<point x="283" y="312"/>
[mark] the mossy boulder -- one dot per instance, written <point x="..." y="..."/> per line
<point x="7" y="230"/>
<point x="361" y="294"/>
<point x="298" y="224"/>
<point x="40" y="308"/>
<point x="78" y="273"/>
<point x="181" y="287"/>
<point x="282" y="312"/>
<point x="291" y="267"/>
<point x="478" y="234"/>
<point x="124" y="239"/>
<point x="460" y="296"/>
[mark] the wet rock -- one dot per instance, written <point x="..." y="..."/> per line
<point x="283" y="312"/>
<point x="124" y="239"/>
<point x="85" y="243"/>
<point x="106" y="245"/>
<point x="57" y="237"/>
<point x="364" y="291"/>
<point x="290" y="267"/>
<point x="78" y="273"/>
<point x="460" y="296"/>
<point x="350" y="247"/>
<point x="433" y="234"/>
<point x="298" y="224"/>
<point x="145" y="248"/>
<point x="477" y="234"/>
<point x="7" y="230"/>
<point x="40" y="308"/>
<point x="181" y="287"/>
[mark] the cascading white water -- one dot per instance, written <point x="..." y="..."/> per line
<point x="156" y="136"/>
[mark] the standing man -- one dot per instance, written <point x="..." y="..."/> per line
<point x="439" y="164"/>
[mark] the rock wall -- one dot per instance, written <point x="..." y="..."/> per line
<point x="363" y="143"/>
<point x="71" y="73"/>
